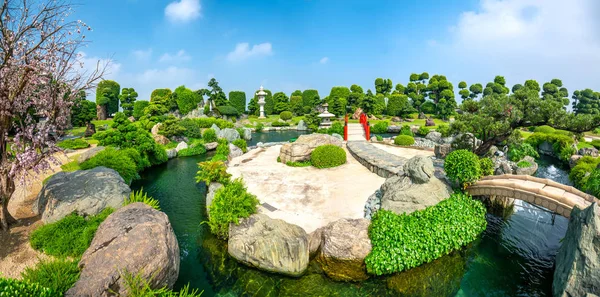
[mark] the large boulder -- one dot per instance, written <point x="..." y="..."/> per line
<point x="340" y="137"/>
<point x="530" y="170"/>
<point x="89" y="154"/>
<point x="171" y="153"/>
<point x="85" y="192"/>
<point x="247" y="134"/>
<point x="588" y="151"/>
<point x="136" y="239"/>
<point x="181" y="146"/>
<point x="210" y="195"/>
<point x="442" y="150"/>
<point x="434" y="136"/>
<point x="90" y="130"/>
<point x="217" y="129"/>
<point x="429" y="122"/>
<point x="301" y="149"/>
<point x="230" y="134"/>
<point x="234" y="151"/>
<point x="155" y="129"/>
<point x="160" y="139"/>
<point x="211" y="146"/>
<point x="344" y="246"/>
<point x="301" y="126"/>
<point x="357" y="113"/>
<point x="573" y="160"/>
<point x="269" y="244"/>
<point x="417" y="189"/>
<point x="577" y="271"/>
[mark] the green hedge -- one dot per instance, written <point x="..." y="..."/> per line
<point x="228" y="110"/>
<point x="19" y="288"/>
<point x="463" y="167"/>
<point x="561" y="144"/>
<point x="192" y="150"/>
<point x="404" y="140"/>
<point x="285" y="115"/>
<point x="380" y="127"/>
<point x="231" y="203"/>
<point x="401" y="242"/>
<point x="238" y="100"/>
<point x="73" y="144"/>
<point x="280" y="124"/>
<point x="327" y="156"/>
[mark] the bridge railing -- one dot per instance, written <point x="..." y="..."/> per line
<point x="364" y="120"/>
<point x="346" y="127"/>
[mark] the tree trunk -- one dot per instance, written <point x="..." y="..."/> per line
<point x="101" y="112"/>
<point x="7" y="187"/>
<point x="486" y="145"/>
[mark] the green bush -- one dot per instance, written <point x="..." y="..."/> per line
<point x="380" y="127"/>
<point x="297" y="164"/>
<point x="516" y="153"/>
<point x="337" y="128"/>
<point x="444" y="130"/>
<point x="138" y="286"/>
<point x="209" y="135"/>
<point x="218" y="157"/>
<point x="379" y="137"/>
<point x="259" y="127"/>
<point x="192" y="150"/>
<point x="70" y="167"/>
<point x="401" y="242"/>
<point x="238" y="100"/>
<point x="73" y="144"/>
<point x="592" y="185"/>
<point x="134" y="155"/>
<point x="114" y="159"/>
<point x="208" y="122"/>
<point x="222" y="148"/>
<point x="423" y="131"/>
<point x="70" y="236"/>
<point x="462" y="166"/>
<point x="579" y="174"/>
<point x="231" y="203"/>
<point x="596" y="143"/>
<point x="561" y="144"/>
<point x="212" y="171"/>
<point x="544" y="129"/>
<point x="280" y="124"/>
<point x="19" y="288"/>
<point x="404" y="140"/>
<point x="241" y="144"/>
<point x="138" y="108"/>
<point x="57" y="275"/>
<point x="192" y="129"/>
<point x="228" y="110"/>
<point x="141" y="196"/>
<point x="597" y="131"/>
<point x="487" y="166"/>
<point x="405" y="130"/>
<point x="285" y="115"/>
<point x="171" y="127"/>
<point x="524" y="164"/>
<point x="327" y="156"/>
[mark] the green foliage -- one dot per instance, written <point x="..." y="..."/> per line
<point x="281" y="103"/>
<point x="337" y="128"/>
<point x="208" y="122"/>
<point x="592" y="185"/>
<point x="107" y="93"/>
<point x="444" y="130"/>
<point x="228" y="110"/>
<point x="57" y="275"/>
<point x="404" y="140"/>
<point x="596" y="143"/>
<point x="136" y="157"/>
<point x="401" y="242"/>
<point x="561" y="144"/>
<point x="286" y="115"/>
<point x="586" y="102"/>
<point x="405" y="130"/>
<point x="462" y="166"/>
<point x="327" y="156"/>
<point x="192" y="129"/>
<point x="206" y="109"/>
<point x="383" y="86"/>
<point x="423" y="131"/>
<point x="259" y="127"/>
<point x="379" y="137"/>
<point x="241" y="143"/>
<point x="296" y="105"/>
<point x="138" y="286"/>
<point x="128" y="98"/>
<point x="70" y="167"/>
<point x="82" y="111"/>
<point x="380" y="127"/>
<point x="73" y="144"/>
<point x="219" y="157"/>
<point x="193" y="150"/>
<point x="297" y="164"/>
<point x="398" y="105"/>
<point x="516" y="153"/>
<point x="209" y="135"/>
<point x="579" y="174"/>
<point x="222" y="147"/>
<point x="212" y="171"/>
<point x="19" y="288"/>
<point x="237" y="99"/>
<point x="312" y="120"/>
<point x="310" y="98"/>
<point x="113" y="159"/>
<point x="487" y="166"/>
<point x="524" y="164"/>
<point x="139" y="108"/>
<point x="544" y="129"/>
<point x="280" y="124"/>
<point x="141" y="196"/>
<point x="69" y="237"/>
<point x="231" y="203"/>
<point x="171" y="127"/>
<point x="187" y="100"/>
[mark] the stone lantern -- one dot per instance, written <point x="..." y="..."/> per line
<point x="261" y="101"/>
<point x="325" y="117"/>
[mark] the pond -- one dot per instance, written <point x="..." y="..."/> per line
<point x="274" y="136"/>
<point x="513" y="257"/>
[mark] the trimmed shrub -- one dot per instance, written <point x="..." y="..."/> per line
<point x="228" y="110"/>
<point x="337" y="128"/>
<point x="280" y="124"/>
<point x="423" y="131"/>
<point x="444" y="130"/>
<point x="516" y="153"/>
<point x="20" y="288"/>
<point x="462" y="166"/>
<point x="134" y="155"/>
<point x="209" y="135"/>
<point x="57" y="275"/>
<point x="212" y="171"/>
<point x="73" y="144"/>
<point x="380" y="127"/>
<point x="404" y="140"/>
<point x="116" y="160"/>
<point x="241" y="144"/>
<point x="592" y="185"/>
<point x="231" y="203"/>
<point x="192" y="129"/>
<point x="487" y="166"/>
<point x="187" y="100"/>
<point x="259" y="127"/>
<point x="70" y="236"/>
<point x="585" y="165"/>
<point x="401" y="242"/>
<point x="327" y="156"/>
<point x="171" y="127"/>
<point x="237" y="99"/>
<point x="561" y="144"/>
<point x="597" y="131"/>
<point x="208" y="122"/>
<point x="286" y="115"/>
<point x="523" y="164"/>
<point x="544" y="129"/>
<point x="405" y="130"/>
<point x="138" y="108"/>
<point x="141" y="196"/>
<point x="194" y="150"/>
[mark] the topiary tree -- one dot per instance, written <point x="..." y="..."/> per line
<point x="462" y="166"/>
<point x="327" y="156"/>
<point x="398" y="105"/>
<point x="128" y="97"/>
<point x="107" y="97"/>
<point x="187" y="100"/>
<point x="237" y="99"/>
<point x="310" y="98"/>
<point x="138" y="109"/>
<point x="404" y="140"/>
<point x="296" y="105"/>
<point x="281" y="103"/>
<point x="286" y="115"/>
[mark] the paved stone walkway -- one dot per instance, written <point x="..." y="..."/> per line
<point x="377" y="160"/>
<point x="356" y="132"/>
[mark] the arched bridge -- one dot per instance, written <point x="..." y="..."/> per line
<point x="542" y="192"/>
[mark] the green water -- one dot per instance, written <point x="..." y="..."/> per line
<point x="513" y="257"/>
<point x="275" y="136"/>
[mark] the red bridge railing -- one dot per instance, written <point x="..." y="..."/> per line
<point x="364" y="120"/>
<point x="346" y="127"/>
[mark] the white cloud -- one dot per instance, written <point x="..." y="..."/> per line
<point x="183" y="10"/>
<point x="142" y="55"/>
<point x="243" y="51"/>
<point x="324" y="60"/>
<point x="88" y="65"/>
<point x="539" y="39"/>
<point x="180" y="56"/>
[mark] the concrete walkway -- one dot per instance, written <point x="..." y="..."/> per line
<point x="305" y="196"/>
<point x="356" y="132"/>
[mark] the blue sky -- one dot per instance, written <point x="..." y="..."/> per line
<point x="301" y="44"/>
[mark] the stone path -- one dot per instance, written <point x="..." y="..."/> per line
<point x="376" y="160"/>
<point x="356" y="132"/>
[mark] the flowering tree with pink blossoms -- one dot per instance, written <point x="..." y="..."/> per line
<point x="40" y="77"/>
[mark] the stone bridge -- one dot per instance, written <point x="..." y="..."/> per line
<point x="542" y="192"/>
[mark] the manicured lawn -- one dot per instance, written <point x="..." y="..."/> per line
<point x="78" y="131"/>
<point x="271" y="118"/>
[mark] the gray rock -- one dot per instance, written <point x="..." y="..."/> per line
<point x="422" y="116"/>
<point x="545" y="148"/>
<point x="301" y="149"/>
<point x="448" y="140"/>
<point x="419" y="169"/>
<point x="340" y="137"/>
<point x="181" y="146"/>
<point x="230" y="134"/>
<point x="442" y="150"/>
<point x="401" y="195"/>
<point x="154" y="129"/>
<point x="531" y="170"/>
<point x="247" y="134"/>
<point x="210" y="195"/>
<point x="269" y="244"/>
<point x="493" y="151"/>
<point x="577" y="270"/>
<point x="89" y="154"/>
<point x="314" y="241"/>
<point x="396" y="119"/>
<point x="85" y="192"/>
<point x="160" y="139"/>
<point x="137" y="239"/>
<point x="211" y="146"/>
<point x="466" y="141"/>
<point x="503" y="166"/>
<point x="217" y="129"/>
<point x="301" y="126"/>
<point x="573" y="160"/>
<point x="434" y="136"/>
<point x="234" y="151"/>
<point x="344" y="245"/>
<point x="90" y="130"/>
<point x="171" y="153"/>
<point x="429" y="123"/>
<point x="588" y="151"/>
<point x="196" y="113"/>
<point x="373" y="204"/>
<point x="393" y="129"/>
<point x="373" y="139"/>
